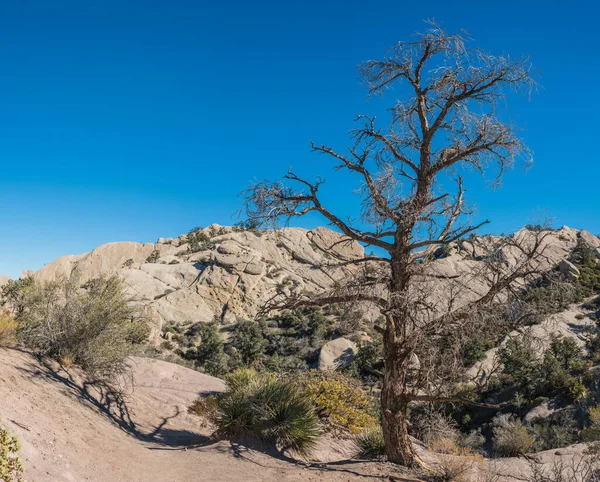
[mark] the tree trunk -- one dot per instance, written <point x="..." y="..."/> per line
<point x="394" y="405"/>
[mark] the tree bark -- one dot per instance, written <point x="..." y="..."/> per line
<point x="394" y="405"/>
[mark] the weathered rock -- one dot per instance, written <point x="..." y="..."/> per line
<point x="568" y="269"/>
<point x="336" y="354"/>
<point x="589" y="238"/>
<point x="230" y="280"/>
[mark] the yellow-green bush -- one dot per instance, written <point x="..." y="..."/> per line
<point x="8" y="330"/>
<point x="93" y="325"/>
<point x="11" y="469"/>
<point x="339" y="400"/>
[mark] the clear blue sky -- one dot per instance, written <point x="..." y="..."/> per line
<point x="131" y="120"/>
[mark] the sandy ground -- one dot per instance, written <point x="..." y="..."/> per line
<point x="70" y="431"/>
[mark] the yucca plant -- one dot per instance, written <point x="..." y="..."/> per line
<point x="370" y="443"/>
<point x="268" y="409"/>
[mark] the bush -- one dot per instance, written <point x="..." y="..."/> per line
<point x="8" y="330"/>
<point x="511" y="437"/>
<point x="210" y="353"/>
<point x="370" y="443"/>
<point x="269" y="409"/>
<point x="198" y="240"/>
<point x="93" y="325"/>
<point x="154" y="256"/>
<point x="339" y="401"/>
<point x="11" y="468"/>
<point x="249" y="343"/>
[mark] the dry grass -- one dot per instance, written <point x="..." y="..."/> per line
<point x="8" y="330"/>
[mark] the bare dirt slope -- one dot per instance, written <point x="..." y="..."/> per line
<point x="70" y="431"/>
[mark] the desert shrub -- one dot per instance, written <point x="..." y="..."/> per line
<point x="368" y="363"/>
<point x="450" y="468"/>
<point x="154" y="256"/>
<point x="586" y="260"/>
<point x="475" y="350"/>
<point x="339" y="400"/>
<point x="555" y="432"/>
<point x="13" y="294"/>
<point x="205" y="407"/>
<point x="437" y="430"/>
<point x="11" y="469"/>
<point x="519" y="360"/>
<point x="562" y="368"/>
<point x="249" y="343"/>
<point x="266" y="408"/>
<point x="198" y="240"/>
<point x="370" y="443"/>
<point x="210" y="354"/>
<point x="592" y="432"/>
<point x="92" y="325"/>
<point x="8" y="330"/>
<point x="511" y="438"/>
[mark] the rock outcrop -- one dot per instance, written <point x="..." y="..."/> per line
<point x="231" y="277"/>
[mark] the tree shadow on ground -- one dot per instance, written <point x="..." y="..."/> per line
<point x="110" y="400"/>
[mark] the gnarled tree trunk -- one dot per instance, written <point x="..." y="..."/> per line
<point x="394" y="406"/>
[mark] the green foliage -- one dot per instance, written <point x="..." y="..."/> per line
<point x="154" y="257"/>
<point x="210" y="353"/>
<point x="11" y="468"/>
<point x="519" y="360"/>
<point x="93" y="325"/>
<point x="339" y="400"/>
<point x="475" y="350"/>
<point x="268" y="409"/>
<point x="586" y="261"/>
<point x="370" y="443"/>
<point x="368" y="362"/>
<point x="249" y="343"/>
<point x="198" y="240"/>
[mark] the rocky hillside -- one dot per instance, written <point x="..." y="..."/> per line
<point x="218" y="272"/>
<point x="229" y="273"/>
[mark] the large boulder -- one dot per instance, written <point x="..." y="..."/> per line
<point x="568" y="269"/>
<point x="336" y="354"/>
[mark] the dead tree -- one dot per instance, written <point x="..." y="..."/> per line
<point x="413" y="205"/>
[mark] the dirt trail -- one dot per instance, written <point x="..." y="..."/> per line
<point x="70" y="431"/>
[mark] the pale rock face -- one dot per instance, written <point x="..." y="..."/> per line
<point x="568" y="269"/>
<point x="589" y="238"/>
<point x="336" y="354"/>
<point x="231" y="281"/>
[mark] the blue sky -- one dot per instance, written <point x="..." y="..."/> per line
<point x="131" y="120"/>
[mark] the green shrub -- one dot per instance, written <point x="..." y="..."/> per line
<point x="269" y="409"/>
<point x="339" y="400"/>
<point x="519" y="360"/>
<point x="154" y="256"/>
<point x="249" y="343"/>
<point x="511" y="438"/>
<point x="210" y="353"/>
<point x="198" y="240"/>
<point x="475" y="350"/>
<point x="370" y="443"/>
<point x="93" y="326"/>
<point x="11" y="469"/>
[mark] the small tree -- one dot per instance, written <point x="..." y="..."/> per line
<point x="410" y="210"/>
